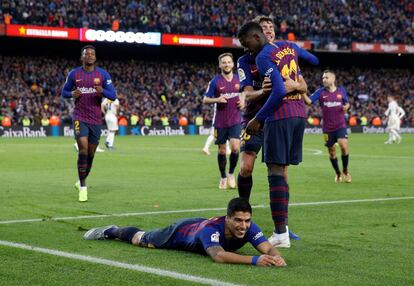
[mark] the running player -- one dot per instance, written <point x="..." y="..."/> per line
<point x="87" y="84"/>
<point x="224" y="90"/>
<point x="333" y="101"/>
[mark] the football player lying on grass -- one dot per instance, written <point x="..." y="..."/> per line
<point x="218" y="237"/>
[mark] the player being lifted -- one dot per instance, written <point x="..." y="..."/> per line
<point x="224" y="90"/>
<point x="256" y="96"/>
<point x="394" y="114"/>
<point x="110" y="109"/>
<point x="333" y="101"/>
<point x="87" y="84"/>
<point x="283" y="117"/>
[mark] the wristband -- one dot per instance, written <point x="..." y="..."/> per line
<point x="255" y="259"/>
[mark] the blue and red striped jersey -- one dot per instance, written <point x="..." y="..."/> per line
<point x="227" y="114"/>
<point x="274" y="61"/>
<point x="333" y="117"/>
<point x="249" y="76"/>
<point x="88" y="105"/>
<point x="205" y="233"/>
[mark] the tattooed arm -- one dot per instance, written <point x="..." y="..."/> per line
<point x="219" y="255"/>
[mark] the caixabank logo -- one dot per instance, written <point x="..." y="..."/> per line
<point x="29" y="132"/>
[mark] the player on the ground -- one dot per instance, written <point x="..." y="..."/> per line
<point x="333" y="101"/>
<point x="219" y="237"/>
<point x="110" y="109"/>
<point x="283" y="116"/>
<point x="394" y="115"/>
<point x="256" y="96"/>
<point x="87" y="84"/>
<point x="224" y="90"/>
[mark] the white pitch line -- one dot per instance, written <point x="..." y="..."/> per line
<point x="197" y="210"/>
<point x="134" y="267"/>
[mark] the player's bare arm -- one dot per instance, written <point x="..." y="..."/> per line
<point x="306" y="99"/>
<point x="209" y="100"/>
<point x="219" y="255"/>
<point x="267" y="248"/>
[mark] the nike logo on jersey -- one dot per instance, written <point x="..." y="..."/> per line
<point x="78" y="80"/>
<point x="222" y="87"/>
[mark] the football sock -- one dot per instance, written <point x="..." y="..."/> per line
<point x="122" y="233"/>
<point x="222" y="161"/>
<point x="89" y="165"/>
<point x="209" y="140"/>
<point x="82" y="168"/>
<point x="278" y="192"/>
<point x="345" y="159"/>
<point x="234" y="157"/>
<point x="110" y="138"/>
<point x="244" y="186"/>
<point x="334" y="163"/>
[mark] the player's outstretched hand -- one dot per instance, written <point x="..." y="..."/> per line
<point x="268" y="260"/>
<point x="98" y="89"/>
<point x="221" y="99"/>
<point x="253" y="127"/>
<point x="76" y="93"/>
<point x="267" y="86"/>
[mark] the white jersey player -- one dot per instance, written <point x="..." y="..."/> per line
<point x="110" y="109"/>
<point x="394" y="114"/>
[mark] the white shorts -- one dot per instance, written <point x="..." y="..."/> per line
<point x="111" y="122"/>
<point x="394" y="123"/>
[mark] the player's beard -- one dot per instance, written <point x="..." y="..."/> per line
<point x="226" y="72"/>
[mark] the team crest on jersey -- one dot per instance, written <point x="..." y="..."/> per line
<point x="242" y="75"/>
<point x="96" y="80"/>
<point x="339" y="96"/>
<point x="215" y="237"/>
<point x="237" y="86"/>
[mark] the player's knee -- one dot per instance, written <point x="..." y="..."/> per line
<point x="246" y="170"/>
<point x="275" y="170"/>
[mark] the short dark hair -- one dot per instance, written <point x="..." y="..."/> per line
<point x="225" y="55"/>
<point x="329" y="71"/>
<point x="248" y="28"/>
<point x="238" y="205"/>
<point x="262" y="18"/>
<point x="87" y="47"/>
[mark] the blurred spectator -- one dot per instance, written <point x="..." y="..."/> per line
<point x="325" y="22"/>
<point x="150" y="91"/>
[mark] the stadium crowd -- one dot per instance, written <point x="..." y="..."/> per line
<point x="327" y="22"/>
<point x="152" y="90"/>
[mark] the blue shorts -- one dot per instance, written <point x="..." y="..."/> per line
<point x="227" y="133"/>
<point x="92" y="131"/>
<point x="283" y="141"/>
<point x="331" y="138"/>
<point x="164" y="237"/>
<point x="251" y="143"/>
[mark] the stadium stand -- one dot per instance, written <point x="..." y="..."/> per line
<point x="338" y="22"/>
<point x="153" y="90"/>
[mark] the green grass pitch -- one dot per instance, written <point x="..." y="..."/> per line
<point x="355" y="243"/>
